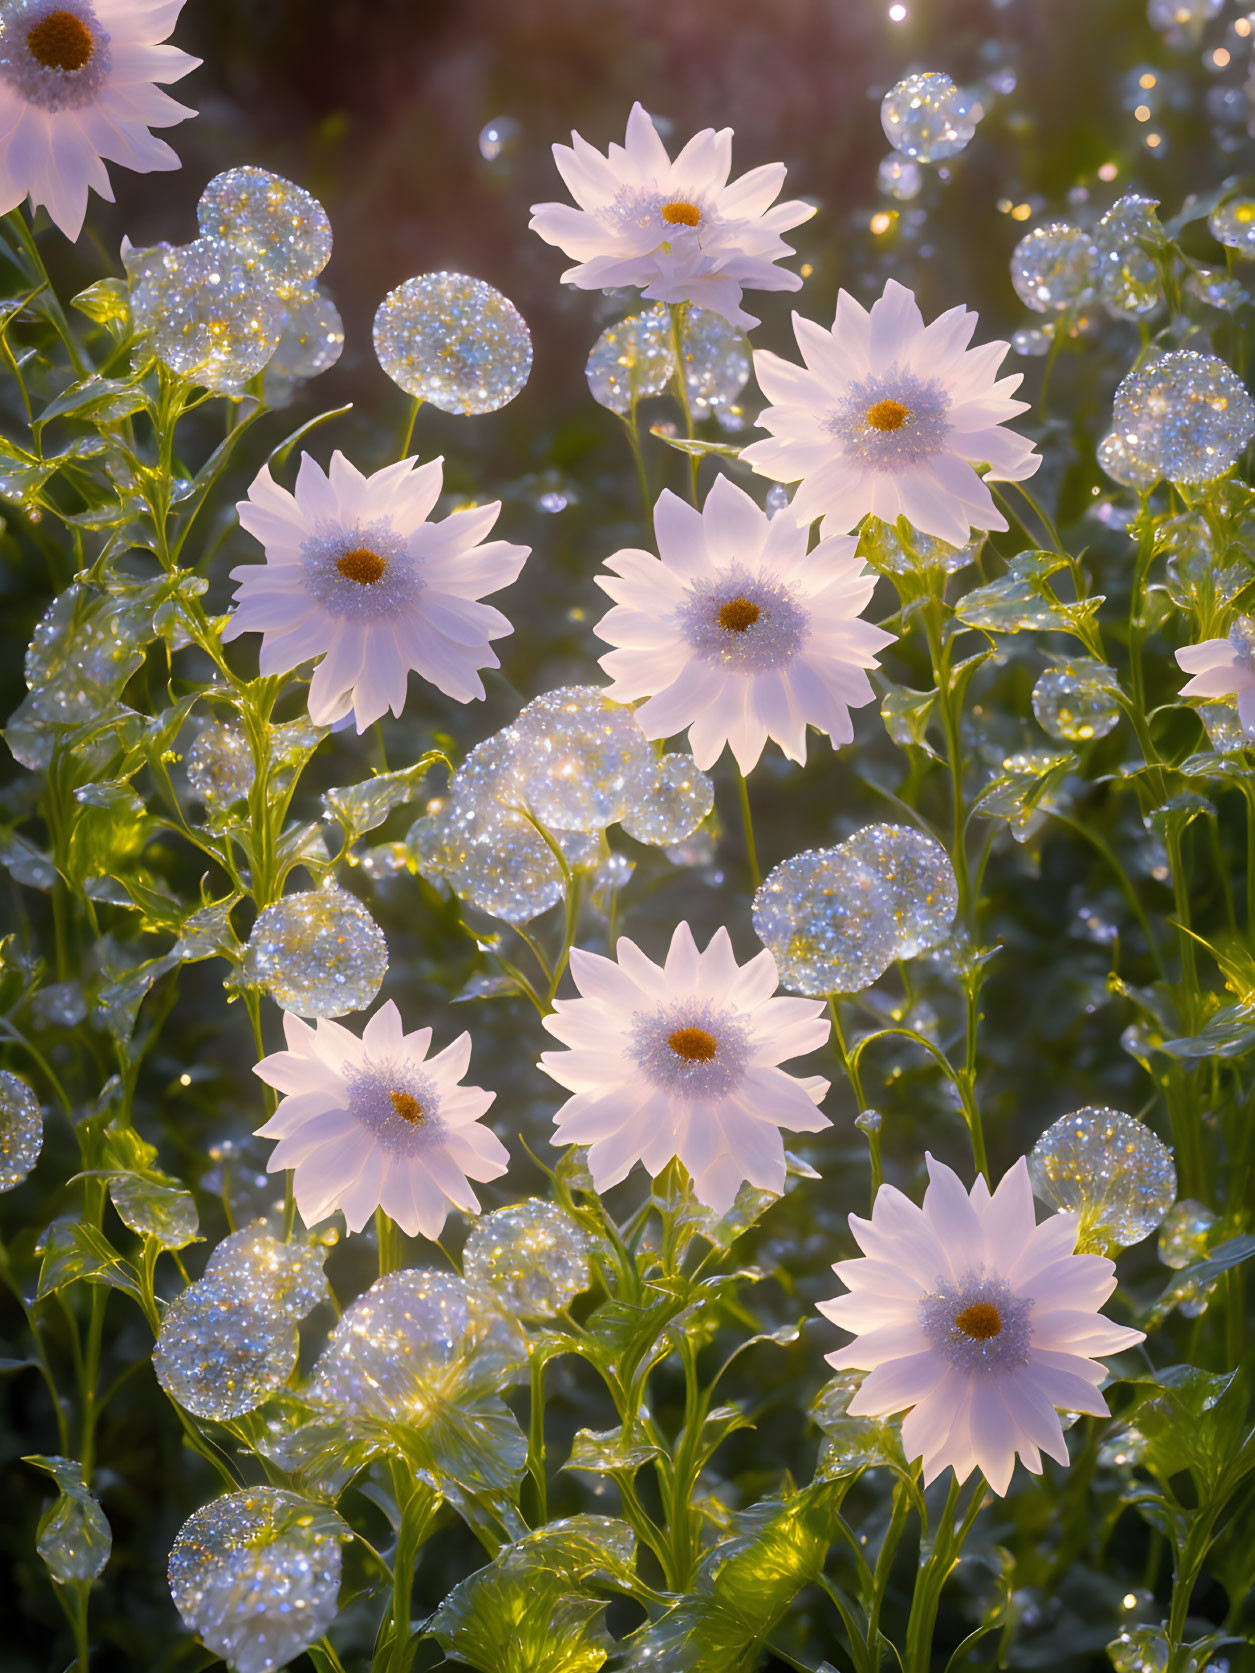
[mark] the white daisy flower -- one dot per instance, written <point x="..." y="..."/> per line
<point x="889" y="416"/>
<point x="1224" y="668"/>
<point x="78" y="89"/>
<point x="356" y="574"/>
<point x="739" y="633"/>
<point x="376" y="1123"/>
<point x="681" y="1061"/>
<point x="677" y="230"/>
<point x="978" y="1320"/>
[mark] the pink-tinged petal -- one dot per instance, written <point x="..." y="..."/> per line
<point x="383" y="1033"/>
<point x="1200" y="659"/>
<point x="882" y="1278"/>
<point x="1049" y="1242"/>
<point x="948" y="1209"/>
<point x="995" y="1434"/>
<point x="1035" y="1414"/>
<point x="896" y="326"/>
<point x="895" y="1384"/>
<point x="1061" y="1378"/>
<point x="358" y="1201"/>
<point x="877" y="1347"/>
<point x="1077" y="1331"/>
<point x="1008" y="1218"/>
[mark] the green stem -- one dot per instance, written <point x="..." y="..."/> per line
<point x="388" y="1235"/>
<point x="56" y="313"/>
<point x="536" y="1439"/>
<point x="679" y="384"/>
<point x="416" y="1515"/>
<point x="946" y="1547"/>
<point x="632" y="426"/>
<point x="409" y="428"/>
<point x="747" y="819"/>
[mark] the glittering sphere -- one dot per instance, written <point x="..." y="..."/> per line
<point x="1074" y="701"/>
<point x="220" y="765"/>
<point x="407" y="1342"/>
<point x="1119" y="464"/>
<point x="1233" y="224"/>
<point x="632" y="360"/>
<point x="313" y="336"/>
<point x="927" y="118"/>
<point x="716" y="359"/>
<point x="1107" y="1168"/>
<point x="1185" y="1232"/>
<point x="275" y="225"/>
<point x="1185" y="416"/>
<point x="319" y="953"/>
<point x="917" y="880"/>
<point x="531" y="1255"/>
<point x="219" y="1355"/>
<point x="1125" y="242"/>
<point x="1031" y="342"/>
<point x="583" y="760"/>
<point x="214" y="318"/>
<point x="271" y="1273"/>
<point x="1053" y="268"/>
<point x="899" y="177"/>
<point x="829" y="920"/>
<point x="675" y="804"/>
<point x="256" y="1576"/>
<point x="21" y="1130"/>
<point x="453" y="341"/>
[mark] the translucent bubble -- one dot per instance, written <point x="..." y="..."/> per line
<point x="87" y="645"/>
<point x="60" y="1005"/>
<point x="1107" y="1168"/>
<point x="214" y="318"/>
<point x="925" y="551"/>
<point x="21" y="1130"/>
<point x="313" y="336"/>
<point x="828" y="920"/>
<point x="917" y="880"/>
<point x="530" y="1254"/>
<point x="75" y="1541"/>
<point x="926" y="117"/>
<point x="631" y="360"/>
<point x="1184" y="1233"/>
<point x="218" y="1355"/>
<point x="1172" y="16"/>
<point x="716" y="359"/>
<point x="277" y="226"/>
<point x="220" y="765"/>
<point x="271" y="1273"/>
<point x="1185" y="416"/>
<point x="582" y="759"/>
<point x="1074" y="701"/>
<point x="1122" y="1448"/>
<point x="319" y="954"/>
<point x="1214" y="287"/>
<point x="1031" y="342"/>
<point x="899" y="177"/>
<point x="1140" y="1649"/>
<point x="491" y="854"/>
<point x="777" y="499"/>
<point x="1053" y="268"/>
<point x="256" y="1576"/>
<point x="1125" y="243"/>
<point x="1223" y="724"/>
<point x="1117" y="463"/>
<point x="453" y="341"/>
<point x="675" y="805"/>
<point x="498" y="137"/>
<point x="406" y="1342"/>
<point x="1233" y="224"/>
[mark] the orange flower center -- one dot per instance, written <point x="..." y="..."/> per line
<point x="60" y="41"/>
<point x="680" y="214"/>
<point x="980" y="1321"/>
<point x="408" y="1108"/>
<point x="362" y="565"/>
<point x="738" y="615"/>
<point x="888" y="415"/>
<point x="694" y="1045"/>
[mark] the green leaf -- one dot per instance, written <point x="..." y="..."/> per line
<point x="694" y="448"/>
<point x="74" y="1253"/>
<point x="744" y="1586"/>
<point x="472" y="1439"/>
<point x="73" y="1538"/>
<point x="1230" y="1032"/>
<point x="535" y="1608"/>
<point x="361" y="807"/>
<point x="101" y="399"/>
<point x="1193" y="1420"/>
<point x="108" y="302"/>
<point x="906" y="715"/>
<point x="1023" y="599"/>
<point x="602" y="1452"/>
<point x="1224" y="1256"/>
